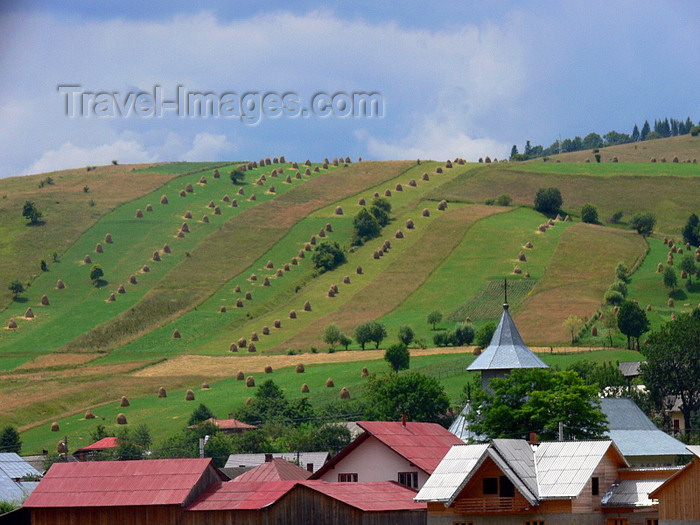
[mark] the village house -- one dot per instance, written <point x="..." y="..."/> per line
<point x="227" y="426"/>
<point x="405" y="452"/>
<point x="17" y="478"/>
<point x="511" y="482"/>
<point x="311" y="461"/>
<point x="679" y="495"/>
<point x="91" y="452"/>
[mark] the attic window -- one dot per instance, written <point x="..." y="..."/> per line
<point x="595" y="486"/>
<point x="347" y="477"/>
<point x="490" y="485"/>
<point x="410" y="479"/>
<point x="507" y="490"/>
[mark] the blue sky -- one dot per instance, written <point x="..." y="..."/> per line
<point x="464" y="79"/>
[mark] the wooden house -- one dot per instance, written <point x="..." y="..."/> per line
<point x="679" y="496"/>
<point x="510" y="482"/>
<point x="390" y="451"/>
<point x="140" y="492"/>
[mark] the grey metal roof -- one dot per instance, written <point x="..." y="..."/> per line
<point x="453" y="473"/>
<point x="15" y="492"/>
<point x="630" y="368"/>
<point x="460" y="426"/>
<point x="631" y="493"/>
<point x="520" y="456"/>
<point x="253" y="460"/>
<point x="15" y="467"/>
<point x="635" y="434"/>
<point x="564" y="467"/>
<point x="508" y="470"/>
<point x="506" y="350"/>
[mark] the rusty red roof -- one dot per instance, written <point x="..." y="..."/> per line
<point x="276" y="470"/>
<point x="226" y="424"/>
<point x="120" y="483"/>
<point x="377" y="496"/>
<point x="102" y="444"/>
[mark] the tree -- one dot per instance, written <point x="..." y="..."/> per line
<point x="344" y="341"/>
<point x="127" y="449"/>
<point x="632" y="321"/>
<point x="16" y="287"/>
<point x="218" y="447"/>
<point x="332" y="335"/>
<point x="327" y="256"/>
<point x="537" y="400"/>
<point x="613" y="297"/>
<point x="606" y="376"/>
<point x="398" y="356"/>
<point x="504" y="200"/>
<point x="609" y="321"/>
<point x="31" y="212"/>
<point x="363" y="334"/>
<point x="96" y="274"/>
<point x="672" y="367"/>
<point x="485" y="334"/>
<point x="589" y="214"/>
<point x="406" y="334"/>
<point x="237" y="176"/>
<point x="377" y="333"/>
<point x="635" y="134"/>
<point x="646" y="128"/>
<point x="365" y="227"/>
<point x="200" y="414"/>
<point x="670" y="279"/>
<point x="434" y="318"/>
<point x="380" y="210"/>
<point x="687" y="265"/>
<point x="513" y="151"/>
<point x="548" y="200"/>
<point x="141" y="435"/>
<point x="691" y="230"/>
<point x="9" y="440"/>
<point x="621" y="272"/>
<point x="420" y="397"/>
<point x="592" y="141"/>
<point x="331" y="438"/>
<point x="573" y="325"/>
<point x="463" y="334"/>
<point x="643" y="222"/>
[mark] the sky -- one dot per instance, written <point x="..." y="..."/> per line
<point x="448" y="79"/>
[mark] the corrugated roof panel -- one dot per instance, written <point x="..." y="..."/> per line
<point x="450" y="475"/>
<point x="565" y="467"/>
<point x="276" y="470"/>
<point x="15" y="467"/>
<point x="317" y="459"/>
<point x="631" y="493"/>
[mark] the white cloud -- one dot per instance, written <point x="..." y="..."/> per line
<point x="70" y="156"/>
<point x="208" y="146"/>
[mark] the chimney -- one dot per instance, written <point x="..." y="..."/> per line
<point x="268" y="458"/>
<point x="534" y="438"/>
<point x="403" y="420"/>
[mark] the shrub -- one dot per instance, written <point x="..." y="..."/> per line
<point x="398" y="357"/>
<point x="613" y="297"/>
<point x="548" y="200"/>
<point x="484" y="334"/>
<point x="589" y="214"/>
<point x="463" y="334"/>
<point x="643" y="222"/>
<point x="365" y="227"/>
<point x="327" y="256"/>
<point x="406" y="334"/>
<point x="504" y="200"/>
<point x="434" y="318"/>
<point x="619" y="286"/>
<point x="237" y="176"/>
<point x="615" y="217"/>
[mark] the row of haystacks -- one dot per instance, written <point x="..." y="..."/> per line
<point x="542" y="228"/>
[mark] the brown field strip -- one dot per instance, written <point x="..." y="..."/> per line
<point x="581" y="269"/>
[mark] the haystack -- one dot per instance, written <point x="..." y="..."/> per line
<point x="670" y="302"/>
<point x="124" y="402"/>
<point x="189" y="188"/>
<point x="233" y="347"/>
<point x="111" y="298"/>
<point x="266" y="281"/>
<point x="375" y="195"/>
<point x="387" y="193"/>
<point x="145" y="268"/>
<point x="45" y="300"/>
<point x="163" y="199"/>
<point x="295" y="165"/>
<point x="156" y="257"/>
<point x="409" y="224"/>
<point x="399" y="234"/>
<point x="365" y="372"/>
<point x="98" y="248"/>
<point x="292" y="314"/>
<point x="361" y="202"/>
<point x="528" y="245"/>
<point x="253" y="277"/>
<point x="166" y="248"/>
<point x="426" y="212"/>
<point x="240" y="376"/>
<point x="287" y="268"/>
<point x="301" y="255"/>
<point x="241" y="191"/>
<point x="176" y="334"/>
<point x="189" y="395"/>
<point x="279" y="273"/>
<point x="217" y="210"/>
<point x="346" y="279"/>
<point x="162" y="392"/>
<point x="12" y="323"/>
<point x="567" y="219"/>
<point x="659" y="268"/>
<point x="239" y="303"/>
<point x="329" y="383"/>
<point x="222" y="309"/>
<point x="226" y="198"/>
<point x="121" y="289"/>
<point x="307" y="171"/>
<point x="203" y="180"/>
<point x="358" y="270"/>
<point x="205" y="386"/>
<point x="205" y="219"/>
<point x="55" y="427"/>
<point x="377" y="254"/>
<point x="87" y="259"/>
<point x="305" y="389"/>
<point x="299" y="369"/>
<point x="307" y="247"/>
<point x="517" y="270"/>
<point x="268" y="369"/>
<point x="438" y="170"/>
<point x="277" y="323"/>
<point x="248" y="296"/>
<point x="271" y="189"/>
<point x="648" y="308"/>
<point x="89" y="414"/>
<point x="29" y="314"/>
<point x="266" y="330"/>
<point x="331" y="293"/>
<point x="217" y="174"/>
<point x="542" y="228"/>
<point x="443" y="205"/>
<point x="254" y="336"/>
<point x="307" y="306"/>
<point x="139" y="213"/>
<point x="182" y="193"/>
<point x="344" y="393"/>
<point x="295" y="261"/>
<point x="322" y="233"/>
<point x="521" y="256"/>
<point x="234" y="203"/>
<point x="251" y="347"/>
<point x="252" y="197"/>
<point x="108" y="238"/>
<point x="527" y="275"/>
<point x="185" y="227"/>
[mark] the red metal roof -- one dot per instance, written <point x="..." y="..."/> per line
<point x="226" y="424"/>
<point x="378" y="496"/>
<point x="102" y="444"/>
<point x="276" y="470"/>
<point x="119" y="483"/>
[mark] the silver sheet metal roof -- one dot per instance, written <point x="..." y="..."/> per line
<point x="253" y="460"/>
<point x="15" y="467"/>
<point x="631" y="493"/>
<point x="564" y="467"/>
<point x="507" y="349"/>
<point x="520" y="456"/>
<point x="452" y="474"/>
<point x="460" y="426"/>
<point x="15" y="491"/>
<point x="634" y="433"/>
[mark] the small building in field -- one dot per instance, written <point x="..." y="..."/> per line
<point x="636" y="436"/>
<point x="679" y="496"/>
<point x="92" y="451"/>
<point x="311" y="461"/>
<point x="306" y="503"/>
<point x="227" y="426"/>
<point x="390" y="451"/>
<point x="511" y="482"/>
<point x="142" y="492"/>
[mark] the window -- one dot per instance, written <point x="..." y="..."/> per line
<point x="347" y="477"/>
<point x="617" y="521"/>
<point x="490" y="485"/>
<point x="507" y="490"/>
<point x="676" y="424"/>
<point x="533" y="522"/>
<point x="651" y="521"/>
<point x="462" y="523"/>
<point x="410" y="479"/>
<point x="595" y="486"/>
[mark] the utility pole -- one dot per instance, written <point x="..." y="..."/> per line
<point x="561" y="431"/>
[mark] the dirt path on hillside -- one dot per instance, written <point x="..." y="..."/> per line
<point x="226" y="366"/>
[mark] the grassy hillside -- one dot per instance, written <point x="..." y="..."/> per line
<point x="85" y="349"/>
